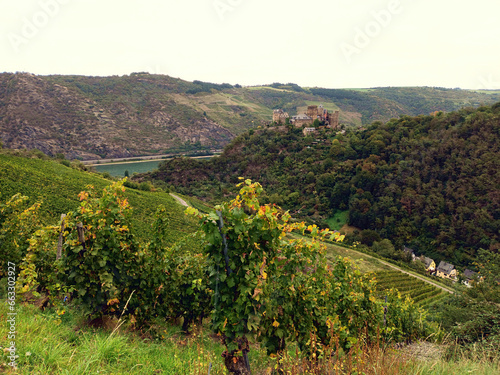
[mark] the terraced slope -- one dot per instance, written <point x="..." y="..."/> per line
<point x="422" y="293"/>
<point x="57" y="186"/>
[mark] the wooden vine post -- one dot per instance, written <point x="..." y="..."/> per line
<point x="60" y="242"/>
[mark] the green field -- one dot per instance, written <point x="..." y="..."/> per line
<point x="363" y="262"/>
<point x="424" y="294"/>
<point x="338" y="220"/>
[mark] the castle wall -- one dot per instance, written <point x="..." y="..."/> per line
<point x="312" y="111"/>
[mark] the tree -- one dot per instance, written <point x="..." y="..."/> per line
<point x="384" y="248"/>
<point x="369" y="236"/>
<point x="472" y="315"/>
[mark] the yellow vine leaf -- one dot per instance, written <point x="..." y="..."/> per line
<point x="113" y="301"/>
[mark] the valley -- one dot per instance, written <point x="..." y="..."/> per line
<point x="288" y="245"/>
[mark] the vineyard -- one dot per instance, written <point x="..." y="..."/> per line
<point x="57" y="186"/>
<point x="238" y="270"/>
<point x="255" y="285"/>
<point x="423" y="294"/>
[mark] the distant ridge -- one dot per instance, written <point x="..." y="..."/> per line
<point x="145" y="114"/>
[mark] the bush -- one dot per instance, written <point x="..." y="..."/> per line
<point x="107" y="272"/>
<point x="369" y="236"/>
<point x="285" y="291"/>
<point x="18" y="222"/>
<point x="144" y="186"/>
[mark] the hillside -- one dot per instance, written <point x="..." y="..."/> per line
<point x="113" y="305"/>
<point x="144" y="114"/>
<point x="429" y="182"/>
<point x="57" y="187"/>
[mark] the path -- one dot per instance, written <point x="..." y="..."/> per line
<point x="180" y="200"/>
<point x="398" y="269"/>
<point x="418" y="277"/>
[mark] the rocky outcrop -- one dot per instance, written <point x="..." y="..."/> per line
<point x="37" y="113"/>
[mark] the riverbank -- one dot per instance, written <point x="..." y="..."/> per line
<point x="148" y="157"/>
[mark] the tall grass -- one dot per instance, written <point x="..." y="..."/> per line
<point x="51" y="344"/>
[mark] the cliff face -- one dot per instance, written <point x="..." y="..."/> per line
<point x="36" y="112"/>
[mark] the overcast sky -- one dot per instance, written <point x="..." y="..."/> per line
<point x="326" y="43"/>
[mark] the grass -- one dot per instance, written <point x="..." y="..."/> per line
<point x="364" y="262"/>
<point x="422" y="293"/>
<point x="50" y="344"/>
<point x="462" y="366"/>
<point x="338" y="220"/>
<point x="220" y="107"/>
<point x="198" y="204"/>
<point x="47" y="344"/>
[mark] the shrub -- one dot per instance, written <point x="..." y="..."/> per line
<point x="18" y="221"/>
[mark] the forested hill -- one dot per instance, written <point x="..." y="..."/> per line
<point x="143" y="114"/>
<point x="429" y="182"/>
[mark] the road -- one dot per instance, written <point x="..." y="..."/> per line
<point x="446" y="289"/>
<point x="180" y="200"/>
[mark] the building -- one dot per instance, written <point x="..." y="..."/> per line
<point x="313" y="112"/>
<point x="307" y="131"/>
<point x="334" y="120"/>
<point x="301" y="119"/>
<point x="469" y="277"/>
<point x="430" y="265"/>
<point x="446" y="270"/>
<point x="280" y="116"/>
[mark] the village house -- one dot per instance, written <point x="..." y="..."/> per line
<point x="446" y="271"/>
<point x="430" y="265"/>
<point x="469" y="277"/>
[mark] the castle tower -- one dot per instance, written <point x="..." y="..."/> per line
<point x="335" y="120"/>
<point x="280" y="116"/>
<point x="312" y="111"/>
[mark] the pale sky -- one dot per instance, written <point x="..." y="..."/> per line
<point x="325" y="43"/>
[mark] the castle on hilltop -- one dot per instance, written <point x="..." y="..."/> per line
<point x="280" y="116"/>
<point x="330" y="120"/>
